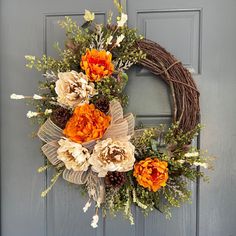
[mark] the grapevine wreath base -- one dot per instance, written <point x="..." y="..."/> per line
<point x="87" y="138"/>
<point x="185" y="95"/>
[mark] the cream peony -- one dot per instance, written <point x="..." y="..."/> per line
<point x="74" y="155"/>
<point x="73" y="89"/>
<point x="112" y="155"/>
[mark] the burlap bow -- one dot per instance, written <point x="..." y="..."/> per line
<point x="121" y="127"/>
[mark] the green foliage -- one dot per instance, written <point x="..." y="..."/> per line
<point x="177" y="137"/>
<point x="128" y="51"/>
<point x="119" y="201"/>
<point x="148" y="142"/>
<point x="59" y="170"/>
<point x="113" y="87"/>
<point x="172" y="195"/>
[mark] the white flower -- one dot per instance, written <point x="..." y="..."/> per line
<point x="109" y="39"/>
<point x="112" y="155"/>
<point x="191" y="154"/>
<point x="37" y="97"/>
<point x="73" y="89"/>
<point x="30" y="57"/>
<point x="204" y="165"/>
<point x="95" y="220"/>
<point x="122" y="20"/>
<point x="16" y="96"/>
<point x="88" y="15"/>
<point x="87" y="205"/>
<point x="47" y="111"/>
<point x="31" y="114"/>
<point x="119" y="40"/>
<point x="74" y="155"/>
<point x="181" y="161"/>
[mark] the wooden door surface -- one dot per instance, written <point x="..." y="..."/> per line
<point x="202" y="34"/>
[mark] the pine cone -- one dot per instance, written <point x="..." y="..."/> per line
<point x="69" y="44"/>
<point x="60" y="116"/>
<point x="112" y="27"/>
<point x="115" y="179"/>
<point x="102" y="103"/>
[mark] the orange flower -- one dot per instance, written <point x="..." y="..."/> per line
<point x="151" y="173"/>
<point x="87" y="123"/>
<point x="97" y="64"/>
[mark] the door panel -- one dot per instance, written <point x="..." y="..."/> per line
<point x="199" y="33"/>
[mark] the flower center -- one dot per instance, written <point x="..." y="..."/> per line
<point x="113" y="155"/>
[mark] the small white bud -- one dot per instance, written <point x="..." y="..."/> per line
<point x="109" y="39"/>
<point x="204" y="165"/>
<point x="31" y="114"/>
<point x="88" y="15"/>
<point x="47" y="111"/>
<point x="191" y="154"/>
<point x="122" y="20"/>
<point x="87" y="205"/>
<point x="181" y="161"/>
<point x="119" y="40"/>
<point x="29" y="57"/>
<point x="37" y="97"/>
<point x="16" y="96"/>
<point x="95" y="220"/>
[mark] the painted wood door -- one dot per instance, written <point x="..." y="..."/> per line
<point x="202" y="34"/>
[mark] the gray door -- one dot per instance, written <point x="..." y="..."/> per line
<point x="200" y="33"/>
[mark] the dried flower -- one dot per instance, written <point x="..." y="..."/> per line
<point x="73" y="89"/>
<point x="87" y="205"/>
<point x="88" y="15"/>
<point x="95" y="220"/>
<point x="191" y="154"/>
<point x="119" y="40"/>
<point x="30" y="57"/>
<point x="151" y="173"/>
<point x="122" y="19"/>
<point x="112" y="155"/>
<point x="181" y="161"/>
<point x="60" y="116"/>
<point x="202" y="164"/>
<point x="16" y="96"/>
<point x="74" y="155"/>
<point x="47" y="112"/>
<point x="109" y="40"/>
<point x="97" y="64"/>
<point x="37" y="97"/>
<point x="87" y="123"/>
<point x="31" y="114"/>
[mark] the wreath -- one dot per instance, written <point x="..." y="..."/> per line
<point x="87" y="138"/>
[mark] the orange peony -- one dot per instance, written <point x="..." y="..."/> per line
<point x="151" y="173"/>
<point x="87" y="123"/>
<point x="97" y="64"/>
